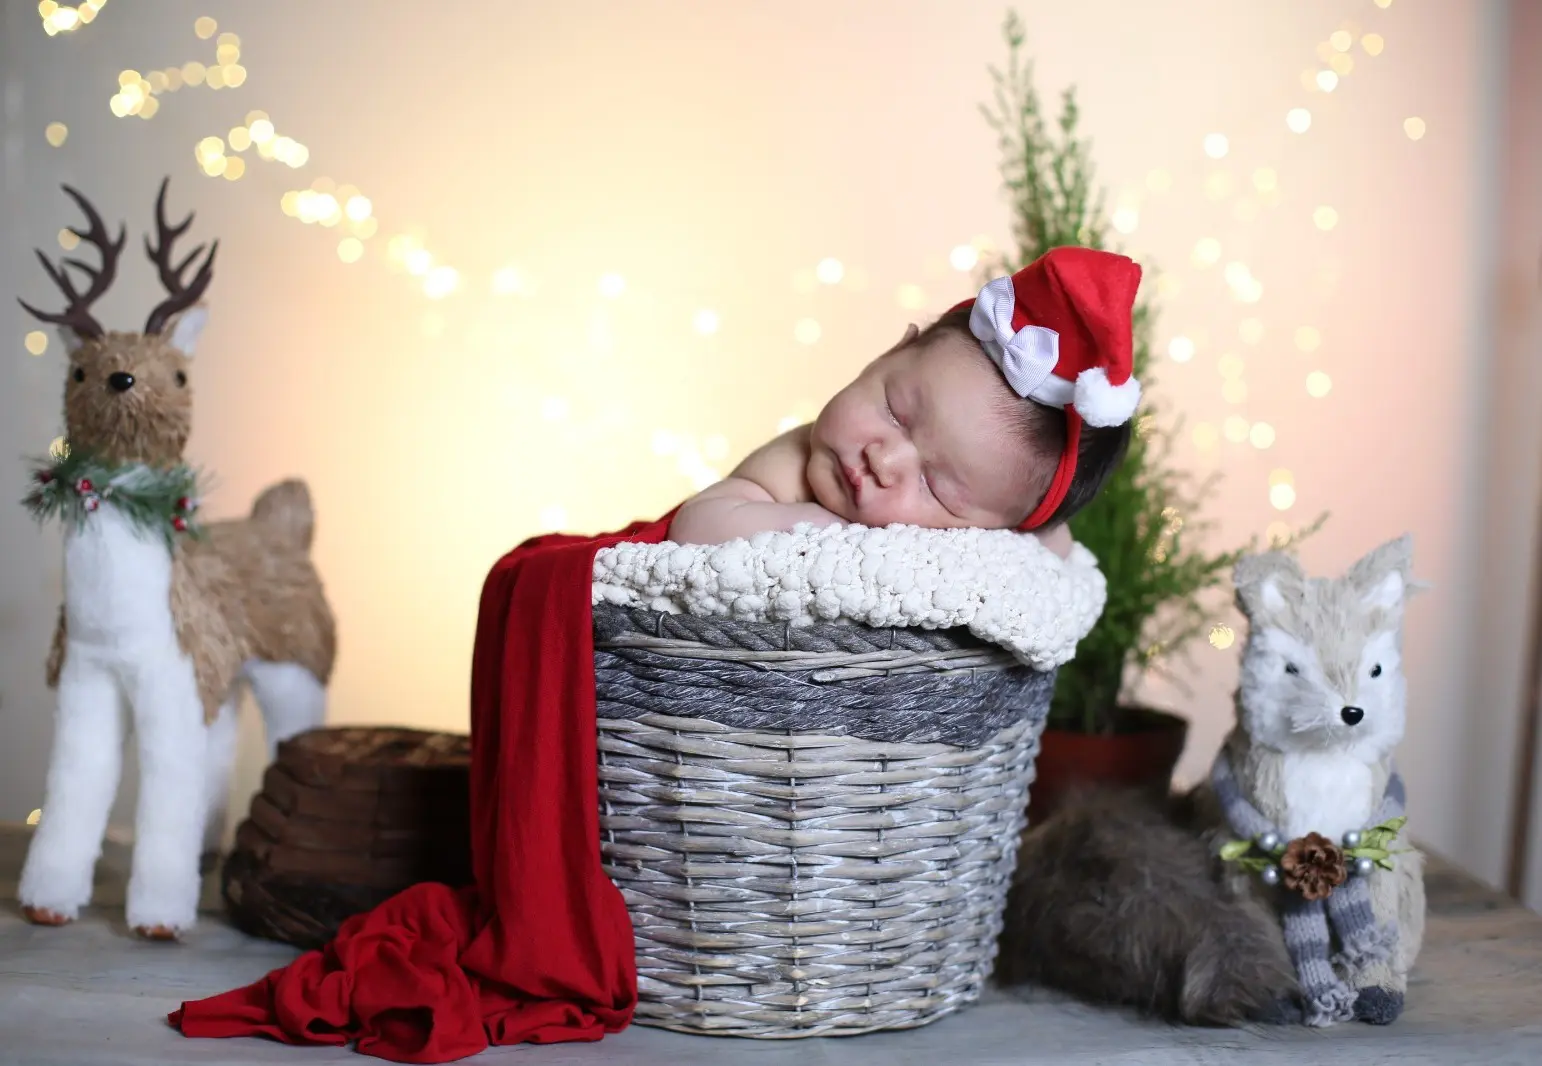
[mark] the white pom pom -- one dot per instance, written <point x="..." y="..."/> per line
<point x="1101" y="403"/>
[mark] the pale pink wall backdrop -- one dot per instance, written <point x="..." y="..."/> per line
<point x="711" y="157"/>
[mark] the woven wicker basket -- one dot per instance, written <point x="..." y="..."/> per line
<point x="814" y="827"/>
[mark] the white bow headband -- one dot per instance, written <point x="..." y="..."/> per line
<point x="1026" y="357"/>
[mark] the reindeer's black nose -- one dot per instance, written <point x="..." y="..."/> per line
<point x="121" y="381"/>
<point x="1352" y="715"/>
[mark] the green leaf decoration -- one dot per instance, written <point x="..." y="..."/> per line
<point x="1255" y="863"/>
<point x="1233" y="850"/>
<point x="1367" y="853"/>
<point x="1379" y="836"/>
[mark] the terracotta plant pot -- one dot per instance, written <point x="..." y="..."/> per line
<point x="1141" y="753"/>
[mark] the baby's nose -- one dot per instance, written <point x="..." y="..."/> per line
<point x="882" y="466"/>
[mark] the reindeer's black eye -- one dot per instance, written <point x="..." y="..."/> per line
<point x="79" y="375"/>
<point x="1376" y="670"/>
<point x="1292" y="668"/>
<point x="181" y="379"/>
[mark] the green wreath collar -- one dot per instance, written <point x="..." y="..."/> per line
<point x="160" y="500"/>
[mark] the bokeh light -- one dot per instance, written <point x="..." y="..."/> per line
<point x="964" y="257"/>
<point x="1207" y="252"/>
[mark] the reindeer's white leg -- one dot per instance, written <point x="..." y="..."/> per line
<point x="217" y="765"/>
<point x="168" y="827"/>
<point x="291" y="698"/>
<point x="83" y="772"/>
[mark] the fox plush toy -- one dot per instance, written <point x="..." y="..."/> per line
<point x="1283" y="887"/>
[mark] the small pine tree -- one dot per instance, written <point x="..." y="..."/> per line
<point x="1144" y="527"/>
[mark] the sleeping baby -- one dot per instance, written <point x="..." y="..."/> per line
<point x="1008" y="412"/>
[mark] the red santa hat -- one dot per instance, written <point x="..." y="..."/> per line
<point x="1060" y="331"/>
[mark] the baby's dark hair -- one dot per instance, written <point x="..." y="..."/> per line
<point x="1042" y="431"/>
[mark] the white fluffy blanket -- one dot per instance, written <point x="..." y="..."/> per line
<point x="1006" y="587"/>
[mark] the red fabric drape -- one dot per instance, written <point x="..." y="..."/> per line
<point x="540" y="948"/>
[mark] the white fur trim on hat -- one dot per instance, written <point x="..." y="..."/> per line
<point x="1101" y="403"/>
<point x="1054" y="391"/>
<point x="1028" y="356"/>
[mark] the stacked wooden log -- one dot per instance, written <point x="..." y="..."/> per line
<point x="347" y="817"/>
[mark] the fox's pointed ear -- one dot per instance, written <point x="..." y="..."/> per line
<point x="1382" y="577"/>
<point x="1270" y="595"/>
<point x="1386" y="593"/>
<point x="1266" y="583"/>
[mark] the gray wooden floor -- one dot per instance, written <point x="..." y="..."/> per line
<point x="89" y="994"/>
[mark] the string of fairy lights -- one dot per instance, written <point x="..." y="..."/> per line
<point x="346" y="211"/>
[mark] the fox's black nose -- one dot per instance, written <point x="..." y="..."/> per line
<point x="1352" y="715"/>
<point x="120" y="381"/>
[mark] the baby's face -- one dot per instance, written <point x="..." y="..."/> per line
<point x="924" y="437"/>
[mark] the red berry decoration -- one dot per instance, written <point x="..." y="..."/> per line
<point x="179" y="524"/>
<point x="83" y="485"/>
<point x="184" y="504"/>
<point x="44" y="476"/>
<point x="92" y="503"/>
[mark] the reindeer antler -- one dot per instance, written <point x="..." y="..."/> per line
<point x="77" y="315"/>
<point x="182" y="294"/>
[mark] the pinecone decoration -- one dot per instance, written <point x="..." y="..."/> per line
<point x="1313" y="865"/>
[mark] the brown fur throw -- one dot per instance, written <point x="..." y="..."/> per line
<point x="1116" y="902"/>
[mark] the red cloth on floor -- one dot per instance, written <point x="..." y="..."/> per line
<point x="540" y="948"/>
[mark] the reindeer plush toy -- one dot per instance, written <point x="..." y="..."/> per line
<point x="163" y="616"/>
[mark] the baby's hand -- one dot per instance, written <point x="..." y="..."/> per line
<point x="1057" y="539"/>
